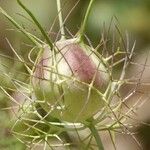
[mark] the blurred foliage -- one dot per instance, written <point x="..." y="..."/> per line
<point x="144" y="135"/>
<point x="132" y="15"/>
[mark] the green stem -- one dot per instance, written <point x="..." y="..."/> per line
<point x="83" y="26"/>
<point x="62" y="30"/>
<point x="95" y="133"/>
<point x="37" y="23"/>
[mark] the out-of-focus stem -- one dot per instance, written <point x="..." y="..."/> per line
<point x="83" y="26"/>
<point x="62" y="30"/>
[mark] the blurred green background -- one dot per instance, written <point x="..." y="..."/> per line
<point x="131" y="15"/>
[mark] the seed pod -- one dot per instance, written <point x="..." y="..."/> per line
<point x="68" y="81"/>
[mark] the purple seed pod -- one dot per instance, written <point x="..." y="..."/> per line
<point x="69" y="81"/>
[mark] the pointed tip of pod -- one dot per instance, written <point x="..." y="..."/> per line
<point x="75" y="60"/>
<point x="83" y="62"/>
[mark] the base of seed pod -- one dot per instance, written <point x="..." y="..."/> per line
<point x="75" y="106"/>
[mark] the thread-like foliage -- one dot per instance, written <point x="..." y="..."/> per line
<point x="70" y="88"/>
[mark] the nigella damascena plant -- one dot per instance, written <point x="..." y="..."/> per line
<point x="69" y="80"/>
<point x="71" y="87"/>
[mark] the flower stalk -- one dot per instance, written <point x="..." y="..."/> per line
<point x="96" y="135"/>
<point x="61" y="25"/>
<point x="83" y="26"/>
